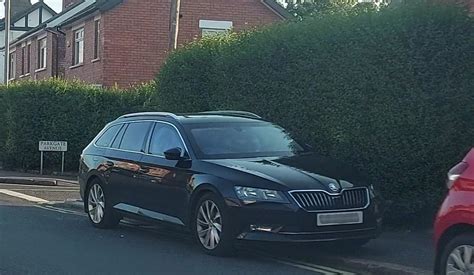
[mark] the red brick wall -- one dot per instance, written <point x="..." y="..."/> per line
<point x="134" y="38"/>
<point x="243" y="13"/>
<point x="50" y="69"/>
<point x="135" y="41"/>
<point x="91" y="70"/>
<point x="136" y="33"/>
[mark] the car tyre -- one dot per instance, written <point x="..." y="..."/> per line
<point x="212" y="226"/>
<point x="101" y="213"/>
<point x="458" y="244"/>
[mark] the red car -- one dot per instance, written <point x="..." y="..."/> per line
<point x="454" y="226"/>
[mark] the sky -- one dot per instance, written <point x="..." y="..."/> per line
<point x="54" y="4"/>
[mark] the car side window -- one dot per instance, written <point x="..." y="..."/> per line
<point x="134" y="136"/>
<point x="107" y="136"/>
<point x="118" y="138"/>
<point x="164" y="137"/>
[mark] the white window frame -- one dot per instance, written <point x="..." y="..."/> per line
<point x="12" y="66"/>
<point x="28" y="58"/>
<point x="78" y="47"/>
<point x="213" y="27"/>
<point x="42" y="53"/>
<point x="23" y="59"/>
<point x="97" y="34"/>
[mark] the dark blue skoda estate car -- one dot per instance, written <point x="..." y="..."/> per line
<point x="224" y="176"/>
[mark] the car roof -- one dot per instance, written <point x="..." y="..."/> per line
<point x="203" y="117"/>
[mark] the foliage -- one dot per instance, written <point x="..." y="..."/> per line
<point x="310" y="8"/>
<point x="391" y="93"/>
<point x="58" y="110"/>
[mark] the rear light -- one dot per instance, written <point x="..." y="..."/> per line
<point x="455" y="172"/>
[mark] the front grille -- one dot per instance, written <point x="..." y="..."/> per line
<point x="322" y="201"/>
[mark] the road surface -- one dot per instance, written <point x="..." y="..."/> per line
<point x="40" y="234"/>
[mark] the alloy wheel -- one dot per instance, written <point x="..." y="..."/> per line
<point x="209" y="224"/>
<point x="461" y="261"/>
<point x="96" y="203"/>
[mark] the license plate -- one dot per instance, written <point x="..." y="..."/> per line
<point x="340" y="218"/>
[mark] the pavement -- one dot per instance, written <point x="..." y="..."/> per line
<point x="14" y="177"/>
<point x="43" y="230"/>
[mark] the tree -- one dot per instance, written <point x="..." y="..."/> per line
<point x="305" y="8"/>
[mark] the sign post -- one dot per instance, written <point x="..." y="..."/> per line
<point x="52" y="146"/>
<point x="41" y="165"/>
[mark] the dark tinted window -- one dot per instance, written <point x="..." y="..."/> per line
<point x="164" y="137"/>
<point x="242" y="140"/>
<point x="107" y="137"/>
<point x="134" y="137"/>
<point x="119" y="137"/>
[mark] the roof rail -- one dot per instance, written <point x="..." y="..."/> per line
<point x="163" y="114"/>
<point x="233" y="113"/>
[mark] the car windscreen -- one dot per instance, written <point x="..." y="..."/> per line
<point x="241" y="140"/>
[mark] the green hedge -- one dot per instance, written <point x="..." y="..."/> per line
<point x="58" y="110"/>
<point x="391" y="93"/>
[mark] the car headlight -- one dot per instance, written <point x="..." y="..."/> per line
<point x="251" y="195"/>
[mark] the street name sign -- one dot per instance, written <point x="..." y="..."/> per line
<point x="53" y="146"/>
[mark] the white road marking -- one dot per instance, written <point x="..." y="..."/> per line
<point x="23" y="196"/>
<point x="60" y="210"/>
<point x="395" y="267"/>
<point x="46" y="190"/>
<point x="302" y="266"/>
<point x="336" y="271"/>
<point x="326" y="270"/>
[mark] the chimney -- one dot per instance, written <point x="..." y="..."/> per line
<point x="19" y="5"/>
<point x="68" y="3"/>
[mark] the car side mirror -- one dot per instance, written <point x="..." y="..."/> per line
<point x="174" y="154"/>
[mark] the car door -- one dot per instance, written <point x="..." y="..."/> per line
<point x="123" y="156"/>
<point x="163" y="182"/>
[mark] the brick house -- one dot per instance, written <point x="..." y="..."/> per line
<point x="125" y="42"/>
<point x="24" y="18"/>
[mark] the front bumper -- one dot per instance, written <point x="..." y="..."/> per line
<point x="289" y="223"/>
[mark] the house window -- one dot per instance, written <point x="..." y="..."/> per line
<point x="12" y="66"/>
<point x="42" y="53"/>
<point x="211" y="27"/>
<point x="28" y="59"/>
<point x="78" y="48"/>
<point x="97" y="39"/>
<point x="23" y="60"/>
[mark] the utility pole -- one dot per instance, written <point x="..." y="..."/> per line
<point x="174" y="24"/>
<point x="7" y="41"/>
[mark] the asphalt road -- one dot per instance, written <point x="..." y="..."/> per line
<point x="53" y="238"/>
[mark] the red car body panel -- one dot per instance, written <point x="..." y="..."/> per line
<point x="458" y="206"/>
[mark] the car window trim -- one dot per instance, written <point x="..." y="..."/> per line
<point x="102" y="133"/>
<point x="142" y="150"/>
<point x="148" y="145"/>
<point x="124" y="128"/>
<point x="148" y="138"/>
